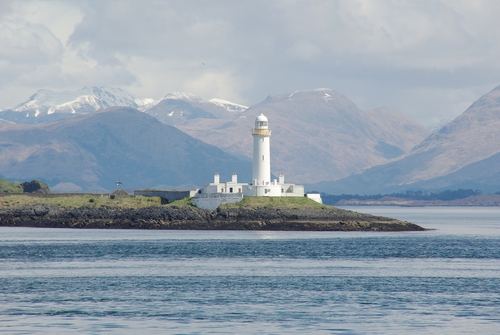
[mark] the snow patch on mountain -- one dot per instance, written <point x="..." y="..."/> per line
<point x="185" y="96"/>
<point x="228" y="105"/>
<point x="85" y="100"/>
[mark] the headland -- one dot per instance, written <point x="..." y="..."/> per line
<point x="252" y="213"/>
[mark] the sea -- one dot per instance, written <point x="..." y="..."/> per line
<point x="441" y="281"/>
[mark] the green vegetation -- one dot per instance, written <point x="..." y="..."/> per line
<point x="134" y="202"/>
<point x="34" y="186"/>
<point x="271" y="202"/>
<point x="182" y="202"/>
<point x="8" y="187"/>
<point x="75" y="201"/>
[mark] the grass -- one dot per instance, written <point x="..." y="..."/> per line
<point x="182" y="202"/>
<point x="272" y="202"/>
<point x="75" y="201"/>
<point x="8" y="187"/>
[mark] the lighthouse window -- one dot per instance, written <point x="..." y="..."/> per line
<point x="262" y="157"/>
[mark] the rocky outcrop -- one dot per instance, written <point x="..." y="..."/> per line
<point x="35" y="186"/>
<point x="192" y="218"/>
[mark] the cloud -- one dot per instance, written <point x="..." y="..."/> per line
<point x="25" y="46"/>
<point x="426" y="58"/>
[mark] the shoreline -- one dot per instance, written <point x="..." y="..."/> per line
<point x="482" y="200"/>
<point x="168" y="217"/>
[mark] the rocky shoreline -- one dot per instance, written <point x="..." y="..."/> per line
<point x="192" y="218"/>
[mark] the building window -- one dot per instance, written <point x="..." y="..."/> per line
<point x="239" y="190"/>
<point x="230" y="190"/>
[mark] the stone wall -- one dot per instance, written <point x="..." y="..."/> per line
<point x="167" y="195"/>
<point x="210" y="201"/>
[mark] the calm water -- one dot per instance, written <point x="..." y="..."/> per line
<point x="445" y="281"/>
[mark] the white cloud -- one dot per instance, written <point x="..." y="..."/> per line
<point x="401" y="54"/>
<point x="215" y="85"/>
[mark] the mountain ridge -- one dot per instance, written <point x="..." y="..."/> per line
<point x="462" y="154"/>
<point x="92" y="151"/>
<point x="345" y="138"/>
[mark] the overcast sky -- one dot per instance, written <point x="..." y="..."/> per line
<point x="430" y="59"/>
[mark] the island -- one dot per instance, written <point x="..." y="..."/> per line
<point x="138" y="212"/>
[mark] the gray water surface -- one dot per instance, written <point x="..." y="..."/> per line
<point x="444" y="281"/>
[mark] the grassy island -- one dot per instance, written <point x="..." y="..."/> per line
<point x="262" y="213"/>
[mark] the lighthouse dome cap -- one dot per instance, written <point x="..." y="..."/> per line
<point x="261" y="117"/>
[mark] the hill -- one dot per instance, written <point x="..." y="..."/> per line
<point x="180" y="107"/>
<point x="316" y="135"/>
<point x="90" y="152"/>
<point x="46" y="105"/>
<point x="465" y="153"/>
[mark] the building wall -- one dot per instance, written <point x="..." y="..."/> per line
<point x="315" y="196"/>
<point x="292" y="190"/>
<point x="167" y="195"/>
<point x="210" y="201"/>
<point x="224" y="187"/>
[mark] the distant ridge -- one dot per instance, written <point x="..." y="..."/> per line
<point x="465" y="153"/>
<point x="316" y="135"/>
<point x="47" y="105"/>
<point x="90" y="152"/>
<point x="177" y="108"/>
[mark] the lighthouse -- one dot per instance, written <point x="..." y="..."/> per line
<point x="218" y="192"/>
<point x="261" y="173"/>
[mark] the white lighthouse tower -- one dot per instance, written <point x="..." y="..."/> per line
<point x="218" y="192"/>
<point x="261" y="174"/>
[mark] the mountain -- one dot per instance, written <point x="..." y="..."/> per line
<point x="90" y="152"/>
<point x="438" y="125"/>
<point x="228" y="105"/>
<point x="463" y="153"/>
<point x="178" y="107"/>
<point x="46" y="105"/>
<point x="316" y="135"/>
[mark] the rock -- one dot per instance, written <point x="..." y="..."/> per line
<point x="192" y="218"/>
<point x="35" y="186"/>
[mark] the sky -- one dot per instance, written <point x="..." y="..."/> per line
<point x="429" y="59"/>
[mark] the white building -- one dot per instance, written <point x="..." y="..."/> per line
<point x="261" y="173"/>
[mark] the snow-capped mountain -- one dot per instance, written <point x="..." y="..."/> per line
<point x="46" y="105"/>
<point x="228" y="105"/>
<point x="185" y="96"/>
<point x="188" y="97"/>
<point x="178" y="107"/>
